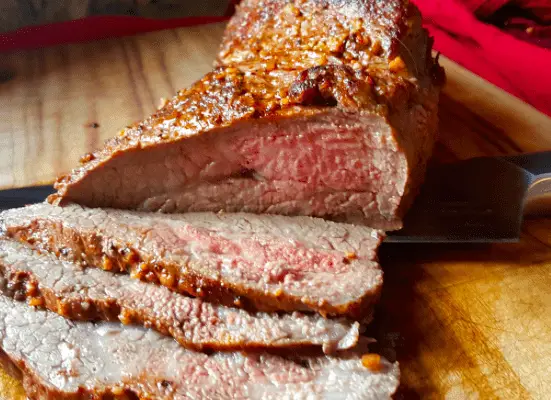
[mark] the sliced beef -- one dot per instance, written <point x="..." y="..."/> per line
<point x="325" y="108"/>
<point x="261" y="262"/>
<point x="91" y="294"/>
<point x="60" y="359"/>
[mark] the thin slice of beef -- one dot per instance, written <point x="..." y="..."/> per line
<point x="61" y="359"/>
<point x="261" y="262"/>
<point x="91" y="295"/>
<point x="325" y="108"/>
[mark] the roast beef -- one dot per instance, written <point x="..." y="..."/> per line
<point x="261" y="262"/>
<point x="316" y="107"/>
<point x="92" y="294"/>
<point x="60" y="359"/>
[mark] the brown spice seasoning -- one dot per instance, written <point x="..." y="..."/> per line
<point x="372" y="362"/>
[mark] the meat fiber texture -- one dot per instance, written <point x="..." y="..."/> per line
<point x="325" y="108"/>
<point x="90" y="294"/>
<point x="60" y="359"/>
<point x="260" y="262"/>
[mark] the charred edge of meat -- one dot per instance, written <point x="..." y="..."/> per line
<point x="332" y="85"/>
<point x="23" y="286"/>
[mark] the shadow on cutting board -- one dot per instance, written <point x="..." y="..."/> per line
<point x="410" y="329"/>
<point x="432" y="319"/>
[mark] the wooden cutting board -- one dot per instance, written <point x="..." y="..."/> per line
<point x="464" y="321"/>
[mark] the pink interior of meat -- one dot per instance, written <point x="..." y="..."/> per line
<point x="331" y="164"/>
<point x="273" y="262"/>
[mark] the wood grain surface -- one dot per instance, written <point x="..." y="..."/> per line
<point x="465" y="321"/>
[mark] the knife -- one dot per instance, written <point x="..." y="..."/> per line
<point x="479" y="200"/>
<point x="14" y="198"/>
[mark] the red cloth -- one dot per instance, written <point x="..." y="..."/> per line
<point x="529" y="20"/>
<point x="484" y="8"/>
<point x="92" y="28"/>
<point x="519" y="67"/>
<point x="517" y="62"/>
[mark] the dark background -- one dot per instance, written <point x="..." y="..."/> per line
<point x="15" y="14"/>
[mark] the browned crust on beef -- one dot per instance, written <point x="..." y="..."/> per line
<point x="87" y="249"/>
<point x="23" y="286"/>
<point x="386" y="19"/>
<point x="369" y="56"/>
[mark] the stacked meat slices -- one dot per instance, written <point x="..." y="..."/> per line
<point x="318" y="108"/>
<point x="231" y="263"/>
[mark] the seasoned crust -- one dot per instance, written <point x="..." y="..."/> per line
<point x="282" y="58"/>
<point x="256" y="20"/>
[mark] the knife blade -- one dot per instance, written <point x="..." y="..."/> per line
<point x="20" y="197"/>
<point x="479" y="200"/>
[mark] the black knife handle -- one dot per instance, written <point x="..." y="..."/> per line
<point x="537" y="201"/>
<point x="535" y="163"/>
